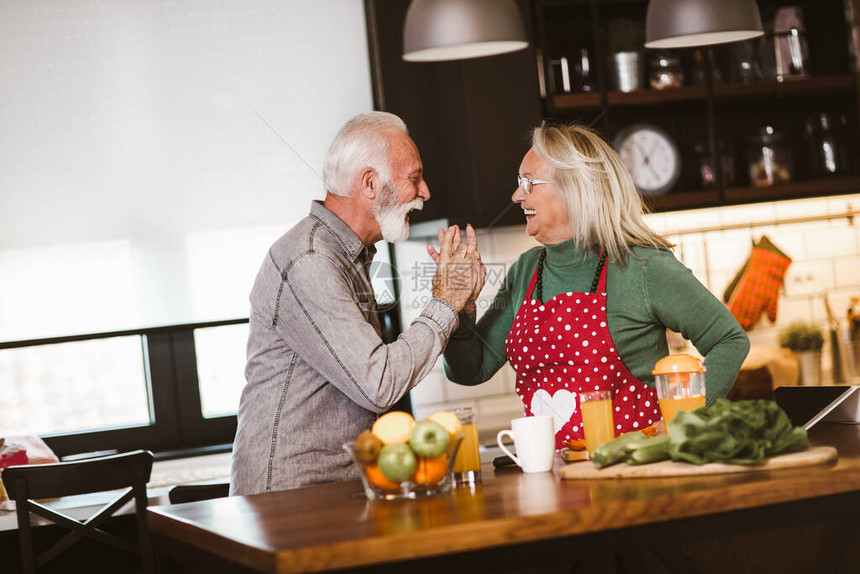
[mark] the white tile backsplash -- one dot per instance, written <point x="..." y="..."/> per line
<point x="788" y="240"/>
<point x="792" y="309"/>
<point x="847" y="271"/>
<point x="825" y="258"/>
<point x="692" y="219"/>
<point x="755" y="214"/>
<point x="690" y="250"/>
<point x="839" y="204"/>
<point x="831" y="242"/>
<point x="808" y="277"/>
<point x="801" y="208"/>
<point x="727" y="250"/>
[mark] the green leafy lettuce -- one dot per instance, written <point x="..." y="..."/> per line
<point x="739" y="432"/>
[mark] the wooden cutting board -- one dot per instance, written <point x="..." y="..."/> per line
<point x="587" y="470"/>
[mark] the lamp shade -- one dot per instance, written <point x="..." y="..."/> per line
<point x="437" y="30"/>
<point x="686" y="23"/>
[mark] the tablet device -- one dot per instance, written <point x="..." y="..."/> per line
<point x="806" y="406"/>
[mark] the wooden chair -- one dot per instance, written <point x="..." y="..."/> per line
<point x="128" y="471"/>
<point x="194" y="492"/>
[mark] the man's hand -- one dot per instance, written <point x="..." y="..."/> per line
<point x="459" y="274"/>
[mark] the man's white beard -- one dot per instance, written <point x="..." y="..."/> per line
<point x="392" y="217"/>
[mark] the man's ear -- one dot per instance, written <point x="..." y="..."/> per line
<point x="369" y="183"/>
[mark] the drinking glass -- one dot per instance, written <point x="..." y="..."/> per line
<point x="597" y="421"/>
<point x="467" y="464"/>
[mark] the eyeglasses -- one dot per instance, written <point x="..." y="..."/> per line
<point x="526" y="183"/>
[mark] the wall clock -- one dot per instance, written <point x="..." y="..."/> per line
<point x="651" y="156"/>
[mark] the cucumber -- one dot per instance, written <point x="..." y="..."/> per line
<point x="652" y="449"/>
<point x="615" y="450"/>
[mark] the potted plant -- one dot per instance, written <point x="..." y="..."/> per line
<point x="626" y="38"/>
<point x="805" y="340"/>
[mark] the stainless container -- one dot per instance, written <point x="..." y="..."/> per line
<point x="628" y="71"/>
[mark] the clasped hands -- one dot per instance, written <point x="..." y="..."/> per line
<point x="460" y="273"/>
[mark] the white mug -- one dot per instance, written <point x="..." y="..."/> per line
<point x="534" y="439"/>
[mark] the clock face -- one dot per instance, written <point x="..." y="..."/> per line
<point x="651" y="156"/>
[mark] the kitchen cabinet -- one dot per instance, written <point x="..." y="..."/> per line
<point x="715" y="101"/>
<point x="470" y="119"/>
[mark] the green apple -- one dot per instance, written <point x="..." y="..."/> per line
<point x="397" y="462"/>
<point x="429" y="439"/>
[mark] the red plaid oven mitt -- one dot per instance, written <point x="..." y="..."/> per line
<point x="758" y="288"/>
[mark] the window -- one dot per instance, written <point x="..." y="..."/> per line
<point x="126" y="390"/>
<point x="220" y="353"/>
<point x="74" y="386"/>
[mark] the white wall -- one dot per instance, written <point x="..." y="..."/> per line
<point x="152" y="151"/>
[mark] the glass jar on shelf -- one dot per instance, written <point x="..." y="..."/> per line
<point x="769" y="158"/>
<point x="666" y="71"/>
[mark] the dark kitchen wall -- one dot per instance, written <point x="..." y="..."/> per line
<point x="470" y="118"/>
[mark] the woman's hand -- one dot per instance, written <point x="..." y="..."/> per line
<point x="458" y="265"/>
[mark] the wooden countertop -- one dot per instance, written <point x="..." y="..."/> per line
<point x="334" y="526"/>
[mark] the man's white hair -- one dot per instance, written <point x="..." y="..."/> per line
<point x="360" y="143"/>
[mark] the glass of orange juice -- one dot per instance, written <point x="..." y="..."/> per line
<point x="680" y="380"/>
<point x="467" y="464"/>
<point x="597" y="421"/>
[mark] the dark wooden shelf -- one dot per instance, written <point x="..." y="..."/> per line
<point x="774" y="89"/>
<point x="569" y="102"/>
<point x="803" y="188"/>
<point x="764" y="89"/>
<point x="562" y="102"/>
<point x="683" y="200"/>
<point x="733" y="195"/>
<point x="647" y="97"/>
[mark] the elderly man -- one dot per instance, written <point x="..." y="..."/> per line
<point x="318" y="372"/>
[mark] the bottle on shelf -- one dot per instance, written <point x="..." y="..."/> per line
<point x="825" y="153"/>
<point x="725" y="157"/>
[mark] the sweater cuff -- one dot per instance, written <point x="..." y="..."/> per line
<point x="467" y="325"/>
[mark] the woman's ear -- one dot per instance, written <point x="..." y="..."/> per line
<point x="368" y="182"/>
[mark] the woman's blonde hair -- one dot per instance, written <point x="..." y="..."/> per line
<point x="604" y="206"/>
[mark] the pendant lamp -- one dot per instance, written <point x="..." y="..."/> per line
<point x="687" y="23"/>
<point x="438" y="30"/>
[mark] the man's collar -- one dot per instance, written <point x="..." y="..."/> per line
<point x="349" y="241"/>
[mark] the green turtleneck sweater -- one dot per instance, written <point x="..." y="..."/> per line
<point x="653" y="291"/>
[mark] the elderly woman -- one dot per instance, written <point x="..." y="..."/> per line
<point x="589" y="309"/>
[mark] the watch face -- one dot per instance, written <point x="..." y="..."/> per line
<point x="651" y="156"/>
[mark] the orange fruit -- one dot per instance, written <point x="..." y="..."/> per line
<point x="431" y="470"/>
<point x="375" y="476"/>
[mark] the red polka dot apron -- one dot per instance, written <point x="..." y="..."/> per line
<point x="563" y="347"/>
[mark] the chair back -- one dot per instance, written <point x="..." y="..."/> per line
<point x="194" y="492"/>
<point x="128" y="472"/>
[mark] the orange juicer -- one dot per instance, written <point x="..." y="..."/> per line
<point x="680" y="380"/>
